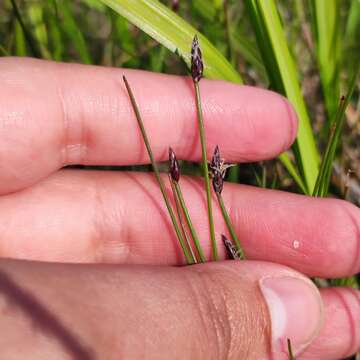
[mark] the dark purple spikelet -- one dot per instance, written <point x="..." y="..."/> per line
<point x="218" y="182"/>
<point x="230" y="248"/>
<point x="174" y="168"/>
<point x="216" y="160"/>
<point x="197" y="65"/>
<point x="215" y="167"/>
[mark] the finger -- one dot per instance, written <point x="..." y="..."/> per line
<point x="86" y="216"/>
<point x="57" y="114"/>
<point x="340" y="336"/>
<point x="228" y="310"/>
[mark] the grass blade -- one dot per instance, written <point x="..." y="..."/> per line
<point x="205" y="169"/>
<point x="26" y="32"/>
<point x="347" y="281"/>
<point x="174" y="176"/>
<point x="324" y="176"/>
<point x="157" y="173"/>
<point x="285" y="159"/>
<point x="20" y="42"/>
<point x="250" y="53"/>
<point x="3" y="51"/>
<point x="173" y="32"/>
<point x="73" y="32"/>
<point x="353" y="21"/>
<point x="55" y="38"/>
<point x="325" y="24"/>
<point x="230" y="226"/>
<point x="189" y="222"/>
<point x="283" y="77"/>
<point x="179" y="210"/>
<point x="36" y="18"/>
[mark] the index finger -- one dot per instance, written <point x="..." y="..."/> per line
<point x="54" y="114"/>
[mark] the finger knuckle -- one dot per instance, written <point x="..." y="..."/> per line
<point x="223" y="317"/>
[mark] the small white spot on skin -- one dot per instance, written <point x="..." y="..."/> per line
<point x="296" y="244"/>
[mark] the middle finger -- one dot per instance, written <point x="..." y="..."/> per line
<point x="102" y="217"/>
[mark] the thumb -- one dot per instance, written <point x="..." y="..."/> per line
<point x="225" y="310"/>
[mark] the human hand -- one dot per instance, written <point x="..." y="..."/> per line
<point x="52" y="115"/>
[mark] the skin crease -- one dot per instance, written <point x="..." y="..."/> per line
<point x="171" y="292"/>
<point x="141" y="305"/>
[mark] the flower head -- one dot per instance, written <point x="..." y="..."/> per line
<point x="218" y="169"/>
<point x="218" y="182"/>
<point x="216" y="160"/>
<point x="230" y="248"/>
<point x="174" y="168"/>
<point x="175" y="5"/>
<point x="197" y="65"/>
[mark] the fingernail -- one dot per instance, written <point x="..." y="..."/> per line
<point x="296" y="312"/>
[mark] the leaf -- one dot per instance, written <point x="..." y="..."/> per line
<point x="36" y="19"/>
<point x="283" y="77"/>
<point x="72" y="31"/>
<point x="325" y="25"/>
<point x="324" y="176"/>
<point x="173" y="32"/>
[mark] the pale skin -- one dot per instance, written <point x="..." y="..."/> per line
<point x="125" y="298"/>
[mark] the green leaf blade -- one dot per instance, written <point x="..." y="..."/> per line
<point x="283" y="77"/>
<point x="173" y="32"/>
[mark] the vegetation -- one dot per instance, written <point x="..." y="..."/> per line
<point x="306" y="50"/>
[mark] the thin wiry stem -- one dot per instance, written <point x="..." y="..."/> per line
<point x="197" y="68"/>
<point x="189" y="222"/>
<point x="228" y="32"/>
<point x="28" y="36"/>
<point x="205" y="169"/>
<point x="157" y="173"/>
<point x="174" y="176"/>
<point x="291" y="355"/>
<point x="180" y="217"/>
<point x="230" y="226"/>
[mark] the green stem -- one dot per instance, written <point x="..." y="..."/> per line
<point x="324" y="164"/>
<point x="228" y="32"/>
<point x="28" y="36"/>
<point x="4" y="51"/>
<point x="157" y="173"/>
<point x="189" y="222"/>
<point x="205" y="169"/>
<point x="179" y="214"/>
<point x="291" y="355"/>
<point x="230" y="226"/>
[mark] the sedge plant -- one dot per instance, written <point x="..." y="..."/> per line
<point x="157" y="173"/>
<point x="179" y="213"/>
<point x="197" y="68"/>
<point x="218" y="169"/>
<point x="174" y="172"/>
<point x="191" y="247"/>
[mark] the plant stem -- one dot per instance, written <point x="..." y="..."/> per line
<point x="291" y="355"/>
<point x="157" y="173"/>
<point x="205" y="169"/>
<point x="228" y="32"/>
<point x="189" y="222"/>
<point x="178" y="210"/>
<point x="230" y="226"/>
<point x="27" y="34"/>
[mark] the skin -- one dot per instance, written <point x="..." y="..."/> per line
<point x="88" y="258"/>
